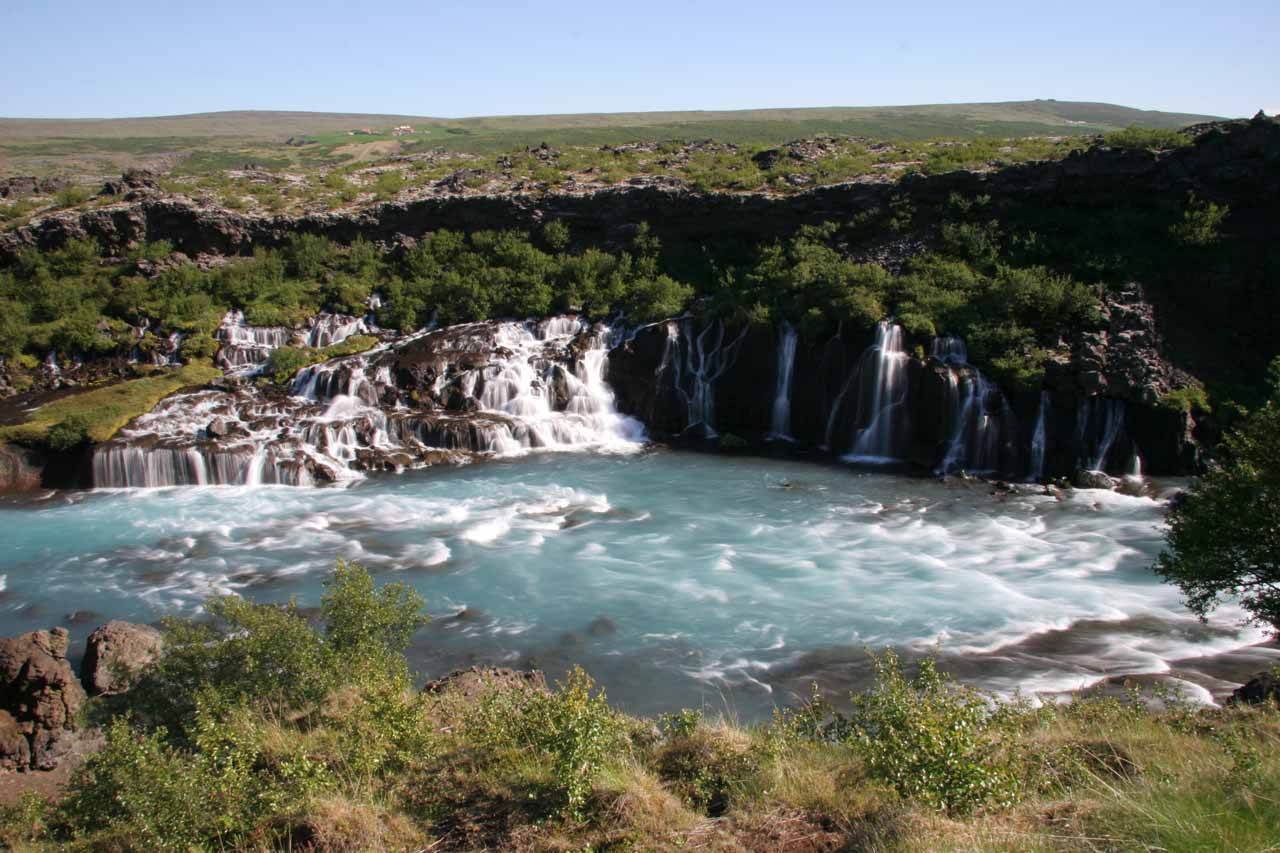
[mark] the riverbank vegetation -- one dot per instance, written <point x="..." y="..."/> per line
<point x="263" y="728"/>
<point x="97" y="413"/>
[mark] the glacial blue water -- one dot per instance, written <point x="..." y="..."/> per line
<point x="677" y="579"/>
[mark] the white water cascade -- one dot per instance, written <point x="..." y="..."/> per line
<point x="1038" y="439"/>
<point x="882" y="387"/>
<point x="780" y="423"/>
<point x="1104" y="418"/>
<point x="696" y="362"/>
<point x="522" y="386"/>
<point x="246" y="348"/>
<point x="975" y="429"/>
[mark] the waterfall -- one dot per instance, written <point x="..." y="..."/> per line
<point x="975" y="432"/>
<point x="976" y="411"/>
<point x="696" y="362"/>
<point x="246" y="348"/>
<point x="329" y="329"/>
<point x="1102" y="417"/>
<point x="1038" y="439"/>
<point x="949" y="349"/>
<point x="1135" y="465"/>
<point x="780" y="424"/>
<point x="882" y="374"/>
<point x="522" y="386"/>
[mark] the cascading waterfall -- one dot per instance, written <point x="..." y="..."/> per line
<point x="1038" y="439"/>
<point x="1135" y="465"/>
<point x="329" y="329"/>
<point x="1104" y="418"/>
<point x="246" y="348"/>
<point x="882" y="385"/>
<point x="537" y="385"/>
<point x="976" y="431"/>
<point x="780" y="423"/>
<point x="696" y="362"/>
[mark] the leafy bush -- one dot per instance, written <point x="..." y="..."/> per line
<point x="69" y="433"/>
<point x="1200" y="223"/>
<point x="1223" y="540"/>
<point x="1191" y="398"/>
<point x="573" y="728"/>
<point x="708" y="767"/>
<point x="145" y="791"/>
<point x="929" y="739"/>
<point x="198" y="346"/>
<point x="1142" y="138"/>
<point x="388" y="185"/>
<point x="271" y="656"/>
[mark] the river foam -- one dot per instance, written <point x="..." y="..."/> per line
<point x="676" y="578"/>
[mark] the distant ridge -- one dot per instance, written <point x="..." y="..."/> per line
<point x="267" y="124"/>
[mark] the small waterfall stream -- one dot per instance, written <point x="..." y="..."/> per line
<point x="780" y="423"/>
<point x="1099" y="425"/>
<point x="1038" y="439"/>
<point x="977" y="411"/>
<point x="696" y="361"/>
<point x="882" y="390"/>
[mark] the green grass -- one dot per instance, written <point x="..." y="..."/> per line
<point x="105" y="410"/>
<point x="219" y="140"/>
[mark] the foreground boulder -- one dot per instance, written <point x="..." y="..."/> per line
<point x="40" y="699"/>
<point x="115" y="653"/>
<point x="1263" y="687"/>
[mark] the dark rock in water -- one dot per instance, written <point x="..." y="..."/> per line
<point x="602" y="626"/>
<point x="468" y="614"/>
<point x="114" y="655"/>
<point x="80" y="617"/>
<point x="1095" y="480"/>
<point x="218" y="428"/>
<point x="471" y="683"/>
<point x="41" y="695"/>
<point x="1263" y="687"/>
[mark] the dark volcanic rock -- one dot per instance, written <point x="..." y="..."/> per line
<point x="1263" y="687"/>
<point x="41" y="696"/>
<point x="115" y="653"/>
<point x="470" y="683"/>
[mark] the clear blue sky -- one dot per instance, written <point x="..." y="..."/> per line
<point x="471" y="57"/>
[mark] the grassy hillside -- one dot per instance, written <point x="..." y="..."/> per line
<point x="104" y="146"/>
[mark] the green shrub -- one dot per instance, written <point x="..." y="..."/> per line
<point x="69" y="433"/>
<point x="388" y="185"/>
<point x="285" y="362"/>
<point x="71" y="196"/>
<point x="1190" y="398"/>
<point x="198" y="346"/>
<point x="708" y="767"/>
<point x="1200" y="223"/>
<point x="1140" y="138"/>
<point x="270" y="656"/>
<point x="573" y="728"/>
<point x="929" y="739"/>
<point x="142" y="791"/>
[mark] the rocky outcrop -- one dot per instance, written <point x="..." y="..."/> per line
<point x="115" y="653"/>
<point x="40" y="699"/>
<point x="1230" y="161"/>
<point x="470" y="683"/>
<point x="1263" y="687"/>
<point x="21" y="469"/>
